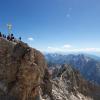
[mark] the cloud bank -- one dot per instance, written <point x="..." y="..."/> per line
<point x="68" y="48"/>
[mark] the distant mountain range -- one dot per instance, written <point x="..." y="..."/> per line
<point x="88" y="65"/>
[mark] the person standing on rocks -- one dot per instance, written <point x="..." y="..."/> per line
<point x="0" y="34"/>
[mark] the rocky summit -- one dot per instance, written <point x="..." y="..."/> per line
<point x="22" y="71"/>
<point x="24" y="76"/>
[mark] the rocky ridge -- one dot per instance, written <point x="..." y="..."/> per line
<point x="22" y="71"/>
<point x="88" y="66"/>
<point x="68" y="84"/>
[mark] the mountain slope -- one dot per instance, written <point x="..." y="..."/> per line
<point x="68" y="84"/>
<point x="89" y="67"/>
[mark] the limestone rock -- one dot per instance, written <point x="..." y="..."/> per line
<point x="22" y="71"/>
<point x="68" y="84"/>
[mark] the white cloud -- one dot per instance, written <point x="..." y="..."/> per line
<point x="89" y="49"/>
<point x="30" y="39"/>
<point x="53" y="49"/>
<point x="69" y="48"/>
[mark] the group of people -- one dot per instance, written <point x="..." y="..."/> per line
<point x="9" y="37"/>
<point x="2" y="35"/>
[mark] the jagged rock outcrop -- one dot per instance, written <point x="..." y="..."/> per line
<point x="68" y="84"/>
<point x="22" y="71"/>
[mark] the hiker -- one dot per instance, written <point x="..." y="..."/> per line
<point x="8" y="37"/>
<point x="19" y="38"/>
<point x="0" y="34"/>
<point x="3" y="36"/>
<point x="12" y="37"/>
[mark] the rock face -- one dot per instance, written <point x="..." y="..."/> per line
<point x="22" y="71"/>
<point x="68" y="84"/>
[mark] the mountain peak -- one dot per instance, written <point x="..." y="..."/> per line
<point x="22" y="70"/>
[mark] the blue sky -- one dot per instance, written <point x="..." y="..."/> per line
<point x="54" y="25"/>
